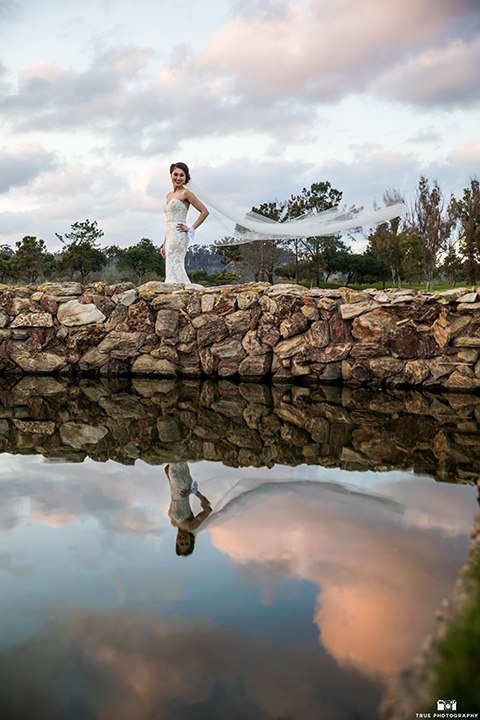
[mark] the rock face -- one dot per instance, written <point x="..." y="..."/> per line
<point x="391" y="338"/>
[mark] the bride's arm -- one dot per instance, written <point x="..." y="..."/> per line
<point x="193" y="200"/>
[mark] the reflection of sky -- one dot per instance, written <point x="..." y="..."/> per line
<point x="303" y="581"/>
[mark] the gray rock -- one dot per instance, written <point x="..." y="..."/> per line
<point x="74" y="313"/>
<point x="121" y="345"/>
<point x="166" y="323"/>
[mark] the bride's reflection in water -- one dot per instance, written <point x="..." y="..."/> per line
<point x="180" y="511"/>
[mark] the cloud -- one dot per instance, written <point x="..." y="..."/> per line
<point x="310" y="50"/>
<point x="379" y="577"/>
<point x="22" y="165"/>
<point x="135" y="663"/>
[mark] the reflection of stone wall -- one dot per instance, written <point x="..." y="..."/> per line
<point x="284" y="331"/>
<point x="249" y="424"/>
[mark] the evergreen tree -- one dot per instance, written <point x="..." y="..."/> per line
<point x="81" y="254"/>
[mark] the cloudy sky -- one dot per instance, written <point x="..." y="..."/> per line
<point x="260" y="97"/>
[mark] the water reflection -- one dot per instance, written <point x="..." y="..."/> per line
<point x="180" y="511"/>
<point x="241" y="426"/>
<point x="307" y="587"/>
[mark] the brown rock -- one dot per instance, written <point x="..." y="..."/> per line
<point x="416" y="371"/>
<point x="49" y="304"/>
<point x="227" y="368"/>
<point x="84" y="338"/>
<point x="92" y="360"/>
<point x="190" y="364"/>
<point x="230" y="349"/>
<point x="255" y="365"/>
<point x="447" y="325"/>
<point x="225" y="304"/>
<point x="383" y="367"/>
<point x="165" y="352"/>
<point x="293" y="325"/>
<point x="361" y="371"/>
<point x="210" y="329"/>
<point x="350" y="311"/>
<point x="252" y="345"/>
<point x="44" y="362"/>
<point x="374" y="326"/>
<point x="268" y="331"/>
<point x="208" y="361"/>
<point x="340" y="330"/>
<point x="33" y="320"/>
<point x="333" y="353"/>
<point x="405" y="342"/>
<point x="121" y="345"/>
<point x="117" y="316"/>
<point x="238" y="322"/>
<point x="140" y="317"/>
<point x="319" y="334"/>
<point x="459" y="381"/>
<point x="368" y="349"/>
<point x="148" y="365"/>
<point x="288" y="348"/>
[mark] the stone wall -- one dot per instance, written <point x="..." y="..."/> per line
<point x="283" y="332"/>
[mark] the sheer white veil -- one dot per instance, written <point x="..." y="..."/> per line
<point x="250" y="226"/>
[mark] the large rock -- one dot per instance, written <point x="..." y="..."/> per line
<point x="44" y="362"/>
<point x="166" y="323"/>
<point x="255" y="365"/>
<point x="61" y="288"/>
<point x="210" y="329"/>
<point x="33" y="320"/>
<point x="79" y="434"/>
<point x="148" y="365"/>
<point x="74" y="313"/>
<point x="238" y="322"/>
<point x="230" y="349"/>
<point x="121" y="345"/>
<point x="140" y="317"/>
<point x="374" y="326"/>
<point x="295" y="324"/>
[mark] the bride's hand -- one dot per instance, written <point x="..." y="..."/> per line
<point x="163" y="251"/>
<point x="182" y="227"/>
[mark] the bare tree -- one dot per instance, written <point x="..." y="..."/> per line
<point x="433" y="222"/>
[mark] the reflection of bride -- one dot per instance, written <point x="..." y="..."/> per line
<point x="180" y="512"/>
<point x="178" y="233"/>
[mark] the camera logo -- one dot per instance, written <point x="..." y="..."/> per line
<point x="446" y="704"/>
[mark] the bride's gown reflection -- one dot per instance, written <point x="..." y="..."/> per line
<point x="180" y="511"/>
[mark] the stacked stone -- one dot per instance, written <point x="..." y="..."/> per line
<point x="399" y="337"/>
<point x="241" y="425"/>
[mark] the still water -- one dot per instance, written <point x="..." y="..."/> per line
<point x="334" y="530"/>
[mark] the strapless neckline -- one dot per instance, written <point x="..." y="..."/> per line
<point x="168" y="202"/>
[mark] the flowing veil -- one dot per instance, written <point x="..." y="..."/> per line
<point x="251" y="226"/>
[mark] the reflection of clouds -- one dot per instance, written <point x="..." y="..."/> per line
<point x="379" y="582"/>
<point x="134" y="664"/>
<point x="59" y="494"/>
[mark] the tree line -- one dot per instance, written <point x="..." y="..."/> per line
<point x="435" y="238"/>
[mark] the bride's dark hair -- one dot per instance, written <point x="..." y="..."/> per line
<point x="183" y="167"/>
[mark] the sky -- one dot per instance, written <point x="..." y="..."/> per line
<point x="261" y="98"/>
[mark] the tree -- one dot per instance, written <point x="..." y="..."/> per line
<point x="452" y="265"/>
<point x="31" y="259"/>
<point x="230" y="255"/>
<point x="467" y="215"/>
<point x="413" y="261"/>
<point x="385" y="242"/>
<point x="81" y="254"/>
<point x="433" y="223"/>
<point x="6" y="262"/>
<point x="142" y="259"/>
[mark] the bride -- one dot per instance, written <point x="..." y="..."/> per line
<point x="178" y="233"/>
<point x="250" y="226"/>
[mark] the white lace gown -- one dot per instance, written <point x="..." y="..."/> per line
<point x="180" y="480"/>
<point x="176" y="243"/>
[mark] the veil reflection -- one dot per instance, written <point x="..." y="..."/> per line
<point x="180" y="511"/>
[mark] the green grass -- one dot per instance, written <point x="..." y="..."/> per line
<point x="456" y="663"/>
